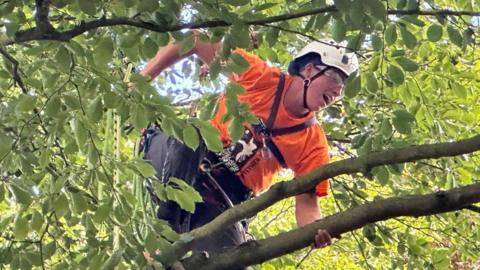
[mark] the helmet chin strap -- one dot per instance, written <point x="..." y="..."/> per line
<point x="306" y="84"/>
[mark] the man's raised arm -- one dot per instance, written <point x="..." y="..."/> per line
<point x="170" y="54"/>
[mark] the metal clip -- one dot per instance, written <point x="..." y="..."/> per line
<point x="265" y="151"/>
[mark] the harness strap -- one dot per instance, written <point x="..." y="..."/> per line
<point x="270" y="132"/>
<point x="287" y="130"/>
<point x="306" y="84"/>
<point x="275" y="151"/>
<point x="276" y="102"/>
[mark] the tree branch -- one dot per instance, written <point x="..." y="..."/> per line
<point x="15" y="73"/>
<point x="473" y="208"/>
<point x="36" y="34"/>
<point x="41" y="16"/>
<point x="305" y="183"/>
<point x="255" y="252"/>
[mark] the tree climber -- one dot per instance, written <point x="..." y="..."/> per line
<point x="288" y="136"/>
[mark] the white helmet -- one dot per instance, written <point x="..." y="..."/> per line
<point x="332" y="54"/>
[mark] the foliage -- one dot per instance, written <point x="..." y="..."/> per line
<point x="71" y="189"/>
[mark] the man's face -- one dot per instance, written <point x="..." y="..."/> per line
<point x="325" y="89"/>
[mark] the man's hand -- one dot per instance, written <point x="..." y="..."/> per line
<point x="322" y="239"/>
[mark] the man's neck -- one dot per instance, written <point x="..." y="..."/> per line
<point x="293" y="101"/>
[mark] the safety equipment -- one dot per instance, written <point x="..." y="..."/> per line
<point x="332" y="54"/>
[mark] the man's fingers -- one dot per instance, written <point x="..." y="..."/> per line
<point x="322" y="239"/>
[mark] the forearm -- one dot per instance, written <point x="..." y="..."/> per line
<point x="165" y="57"/>
<point x="170" y="54"/>
<point x="306" y="209"/>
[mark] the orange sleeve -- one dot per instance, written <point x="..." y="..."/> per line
<point x="255" y="70"/>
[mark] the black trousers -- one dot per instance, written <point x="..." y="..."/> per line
<point x="170" y="157"/>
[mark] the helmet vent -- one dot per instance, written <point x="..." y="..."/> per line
<point x="345" y="59"/>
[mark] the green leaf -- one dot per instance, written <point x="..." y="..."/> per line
<point x="381" y="174"/>
<point x="236" y="129"/>
<point x="80" y="133"/>
<point x="377" y="9"/>
<point x="441" y="258"/>
<point x="149" y="48"/>
<point x="408" y="38"/>
<point x="353" y="86"/>
<point x="272" y="36"/>
<point x="339" y="30"/>
<point x="402" y="126"/>
<point x="53" y="107"/>
<point x="374" y="63"/>
<point x="113" y="260"/>
<point x="61" y="205"/>
<point x="103" y="52"/>
<point x="112" y="100"/>
<point x="144" y="167"/>
<point x="190" y="137"/>
<point x="386" y="128"/>
<point x="233" y="90"/>
<point x="434" y="32"/>
<point x="195" y="196"/>
<point x="139" y="117"/>
<point x="377" y="43"/>
<point x="395" y="73"/>
<point x="209" y="110"/>
<point x="95" y="110"/>
<point x="214" y="68"/>
<point x="240" y="36"/>
<point x="342" y="4"/>
<point x="87" y="7"/>
<point x="63" y="59"/>
<point x="26" y="103"/>
<point x="322" y="21"/>
<point x="49" y="249"/>
<point x="391" y="34"/>
<point x="187" y="44"/>
<point x="102" y="213"/>
<point x="455" y="36"/>
<point x="403" y="121"/>
<point x="404" y="115"/>
<point x="182" y="198"/>
<point x="240" y="61"/>
<point x="147" y="5"/>
<point x="237" y="3"/>
<point x="57" y="184"/>
<point x="22" y="195"/>
<point x="407" y="64"/>
<point x="211" y="136"/>
<point x="459" y="90"/>
<point x="71" y="102"/>
<point x="20" y="228"/>
<point x="79" y="204"/>
<point x="36" y="222"/>
<point x="5" y="145"/>
<point x="372" y="83"/>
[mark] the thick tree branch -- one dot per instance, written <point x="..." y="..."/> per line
<point x="255" y="252"/>
<point x="41" y="16"/>
<point x="38" y="34"/>
<point x="473" y="208"/>
<point x="305" y="183"/>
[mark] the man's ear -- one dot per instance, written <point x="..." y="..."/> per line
<point x="307" y="70"/>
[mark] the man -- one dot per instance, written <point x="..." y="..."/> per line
<point x="287" y="136"/>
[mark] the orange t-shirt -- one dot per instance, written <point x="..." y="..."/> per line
<point x="303" y="151"/>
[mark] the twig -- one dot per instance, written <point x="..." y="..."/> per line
<point x="15" y="73"/>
